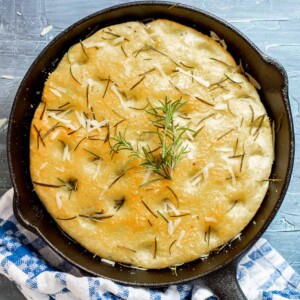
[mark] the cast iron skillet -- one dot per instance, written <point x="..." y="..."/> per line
<point x="219" y="269"/>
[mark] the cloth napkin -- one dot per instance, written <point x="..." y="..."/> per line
<point x="41" y="274"/>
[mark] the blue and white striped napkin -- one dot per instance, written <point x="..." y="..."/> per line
<point x="40" y="273"/>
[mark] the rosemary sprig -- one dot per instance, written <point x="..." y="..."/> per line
<point x="170" y="149"/>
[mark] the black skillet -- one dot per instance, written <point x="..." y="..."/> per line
<point x="219" y="269"/>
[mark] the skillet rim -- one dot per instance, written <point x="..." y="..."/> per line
<point x="268" y="60"/>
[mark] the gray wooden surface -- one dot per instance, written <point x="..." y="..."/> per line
<point x="273" y="25"/>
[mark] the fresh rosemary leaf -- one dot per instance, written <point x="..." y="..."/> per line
<point x="203" y="101"/>
<point x="137" y="83"/>
<point x="171" y="246"/>
<point x="174" y="194"/>
<point x="43" y="112"/>
<point x="67" y="219"/>
<point x="152" y="213"/>
<point x="83" y="49"/>
<point x="163" y="216"/>
<point x="116" y="180"/>
<point x="155" y="248"/>
<point x="47" y="184"/>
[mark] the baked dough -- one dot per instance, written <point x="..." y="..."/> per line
<point x="114" y="85"/>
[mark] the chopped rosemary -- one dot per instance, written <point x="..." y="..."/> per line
<point x="67" y="219"/>
<point x="152" y="213"/>
<point x="47" y="184"/>
<point x="72" y="75"/>
<point x="242" y="121"/>
<point x="205" y="118"/>
<point x="259" y="125"/>
<point x="147" y="72"/>
<point x="50" y="130"/>
<point x="137" y="83"/>
<point x="142" y="108"/>
<point x="148" y="47"/>
<point x="196" y="132"/>
<point x="229" y="109"/>
<point x="106" y="87"/>
<point x="124" y="51"/>
<point x="203" y="101"/>
<point x="43" y="112"/>
<point x="39" y="137"/>
<point x="252" y="115"/>
<point x="108" y="133"/>
<point x="234" y="82"/>
<point x="114" y="34"/>
<point x="149" y="223"/>
<point x="226" y="133"/>
<point x="98" y="216"/>
<point x="236" y="146"/>
<point x="171" y="246"/>
<point x="178" y="89"/>
<point x="174" y="194"/>
<point x="116" y="180"/>
<point x="233" y="205"/>
<point x="162" y="216"/>
<point x="155" y="248"/>
<point x="95" y="156"/>
<point x="119" y="203"/>
<point x="71" y="185"/>
<point x="87" y="95"/>
<point x="180" y="215"/>
<point x="118" y="114"/>
<point x="79" y="143"/>
<point x="83" y="49"/>
<point x="189" y="67"/>
<point x="222" y="62"/>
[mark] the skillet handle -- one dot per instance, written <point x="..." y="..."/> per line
<point x="224" y="283"/>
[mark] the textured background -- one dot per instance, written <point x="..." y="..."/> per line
<point x="273" y="25"/>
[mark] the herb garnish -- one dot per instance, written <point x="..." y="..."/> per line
<point x="170" y="146"/>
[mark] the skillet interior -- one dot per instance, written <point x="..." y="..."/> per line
<point x="31" y="213"/>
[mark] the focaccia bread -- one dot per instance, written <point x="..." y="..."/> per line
<point x="150" y="146"/>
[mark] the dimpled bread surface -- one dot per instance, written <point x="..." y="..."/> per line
<point x="111" y="85"/>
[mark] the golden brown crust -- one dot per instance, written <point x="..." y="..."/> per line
<point x="98" y="90"/>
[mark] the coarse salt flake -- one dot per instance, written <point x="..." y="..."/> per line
<point x="46" y="30"/>
<point x="8" y="77"/>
